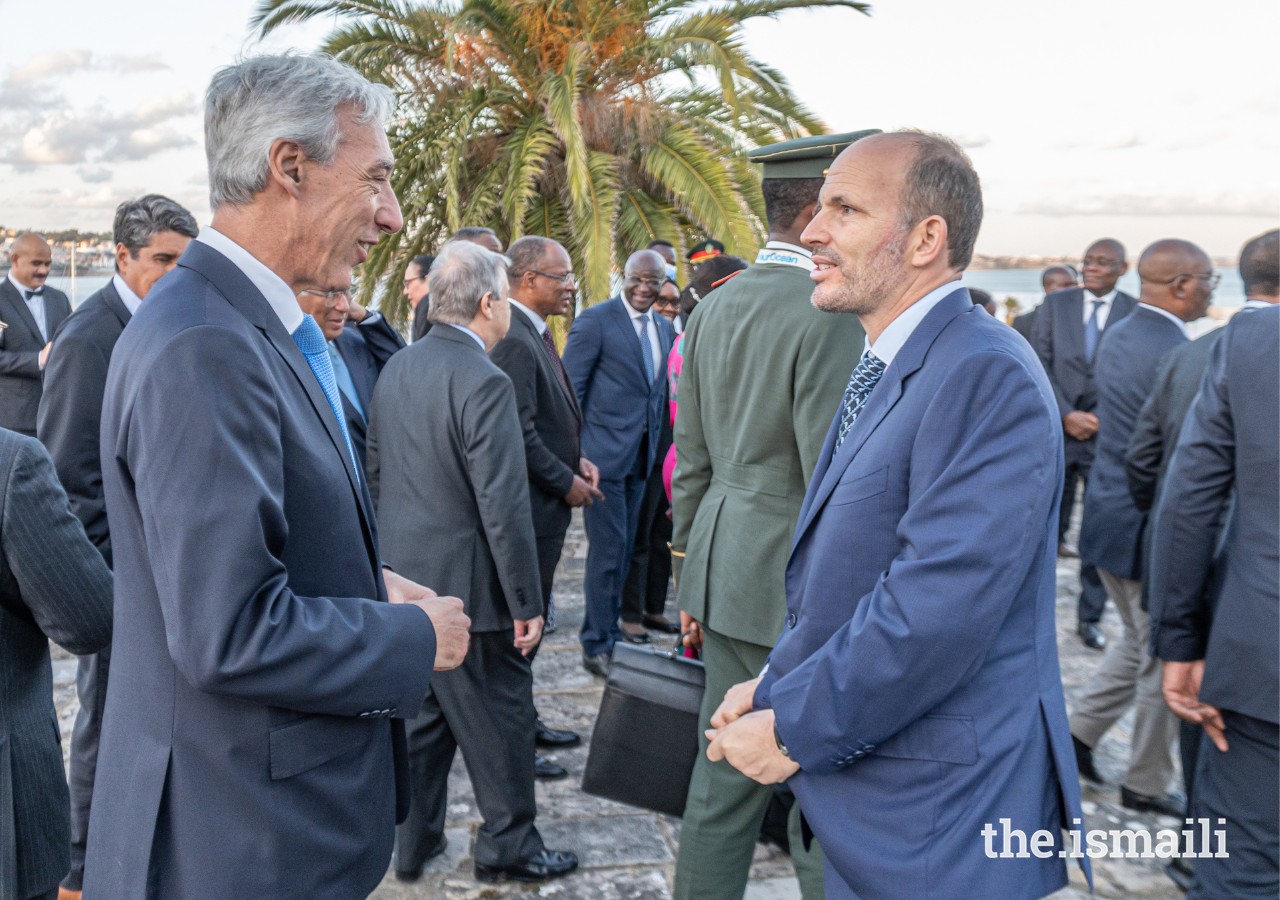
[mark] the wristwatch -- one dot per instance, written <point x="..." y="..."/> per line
<point x="782" y="748"/>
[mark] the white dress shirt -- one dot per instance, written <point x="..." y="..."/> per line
<point x="538" y="322"/>
<point x="278" y="294"/>
<point x="1256" y="304"/>
<point x="1182" y="326"/>
<point x="893" y="338"/>
<point x="130" y="300"/>
<point x="655" y="348"/>
<point x="475" y="337"/>
<point x="35" y="303"/>
<point x="1103" y="311"/>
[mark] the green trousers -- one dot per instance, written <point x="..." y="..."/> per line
<point x="725" y="809"/>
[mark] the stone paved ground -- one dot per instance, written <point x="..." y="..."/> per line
<point x="629" y="854"/>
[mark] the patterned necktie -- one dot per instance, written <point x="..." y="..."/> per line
<point x="866" y="375"/>
<point x="646" y="347"/>
<point x="555" y="354"/>
<point x="342" y="375"/>
<point x="310" y="340"/>
<point x="1091" y="331"/>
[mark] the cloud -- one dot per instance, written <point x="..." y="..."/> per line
<point x="1252" y="200"/>
<point x="68" y="137"/>
<point x="49" y="64"/>
<point x="972" y="141"/>
<point x="94" y="176"/>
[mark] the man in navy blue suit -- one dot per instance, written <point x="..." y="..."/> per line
<point x="616" y="358"/>
<point x="1177" y="282"/>
<point x="253" y="741"/>
<point x="913" y="701"/>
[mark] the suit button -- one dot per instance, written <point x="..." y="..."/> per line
<point x="791" y="620"/>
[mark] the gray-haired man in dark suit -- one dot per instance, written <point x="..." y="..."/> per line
<point x="448" y="480"/>
<point x="53" y="585"/>
<point x="150" y="234"/>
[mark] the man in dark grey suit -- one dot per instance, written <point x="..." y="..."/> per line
<point x="560" y="477"/>
<point x="1177" y="282"/>
<point x="252" y="744"/>
<point x="1068" y="329"/>
<point x="53" y="585"/>
<point x="30" y="313"/>
<point x="1054" y="278"/>
<point x="150" y="234"/>
<point x="1222" y="670"/>
<point x="448" y="479"/>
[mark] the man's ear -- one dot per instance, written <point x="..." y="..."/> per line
<point x="928" y="241"/>
<point x="486" y="304"/>
<point x="285" y="159"/>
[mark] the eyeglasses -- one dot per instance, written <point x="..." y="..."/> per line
<point x="655" y="283"/>
<point x="409" y="281"/>
<point x="1212" y="277"/>
<point x="330" y="297"/>
<point x="1102" y="262"/>
<point x="567" y="279"/>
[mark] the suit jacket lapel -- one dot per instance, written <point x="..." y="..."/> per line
<point x="23" y="312"/>
<point x="1073" y="309"/>
<point x="886" y="394"/>
<point x="552" y="372"/>
<point x="628" y="328"/>
<point x="115" y="304"/>
<point x="1121" y="306"/>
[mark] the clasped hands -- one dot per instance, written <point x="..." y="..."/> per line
<point x="585" y="489"/>
<point x="746" y="738"/>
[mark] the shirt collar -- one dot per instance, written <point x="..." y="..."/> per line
<point x="1089" y="298"/>
<point x="1257" y="304"/>
<point x="537" y="320"/>
<point x="893" y="338"/>
<point x="475" y="337"/>
<point x="1182" y="326"/>
<point x="635" y="313"/>
<point x="130" y="300"/>
<point x="22" y="288"/>
<point x="279" y="296"/>
<point x="793" y="248"/>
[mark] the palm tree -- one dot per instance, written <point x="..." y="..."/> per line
<point x="604" y="124"/>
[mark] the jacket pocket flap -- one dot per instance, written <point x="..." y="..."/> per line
<point x="948" y="739"/>
<point x="860" y="488"/>
<point x="306" y="743"/>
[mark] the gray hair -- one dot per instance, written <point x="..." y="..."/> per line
<point x="527" y="253"/>
<point x="942" y="182"/>
<point x="138" y="221"/>
<point x="460" y="277"/>
<point x="258" y="101"/>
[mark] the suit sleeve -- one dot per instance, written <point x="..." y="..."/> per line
<point x="982" y="488"/>
<point x="373" y="462"/>
<point x="22" y="363"/>
<point x="692" y="476"/>
<point x="1197" y="486"/>
<point x="68" y="424"/>
<point x="1042" y="343"/>
<point x="382" y="340"/>
<point x="546" y="470"/>
<point x="1146" y="447"/>
<point x="202" y="444"/>
<point x="62" y="578"/>
<point x="495" y="463"/>
<point x="818" y="388"/>
<point x="581" y="353"/>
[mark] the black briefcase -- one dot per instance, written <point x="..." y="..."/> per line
<point x="646" y="735"/>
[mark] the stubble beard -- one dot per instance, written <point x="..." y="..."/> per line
<point x="864" y="289"/>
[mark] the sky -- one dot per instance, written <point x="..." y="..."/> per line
<point x="1134" y="120"/>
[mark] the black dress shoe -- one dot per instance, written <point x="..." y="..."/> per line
<point x="638" y="636"/>
<point x="1165" y="806"/>
<point x="547" y="770"/>
<point x="596" y="665"/>
<point x="1091" y="635"/>
<point x="1084" y="761"/>
<point x="550" y="737"/>
<point x="542" y="866"/>
<point x="662" y="624"/>
<point x="1179" y="871"/>
<point x="414" y="874"/>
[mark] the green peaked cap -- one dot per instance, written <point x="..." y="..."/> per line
<point x="804" y="157"/>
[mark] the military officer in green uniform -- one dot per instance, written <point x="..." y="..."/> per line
<point x="763" y="376"/>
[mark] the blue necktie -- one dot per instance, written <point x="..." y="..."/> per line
<point x="866" y="375"/>
<point x="343" y="375"/>
<point x="310" y="340"/>
<point x="1091" y="331"/>
<point x="646" y="346"/>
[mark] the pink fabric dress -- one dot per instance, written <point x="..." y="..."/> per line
<point x="674" y="361"/>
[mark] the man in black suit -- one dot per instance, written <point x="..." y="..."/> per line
<point x="1177" y="282"/>
<point x="448" y="478"/>
<point x="1068" y="328"/>
<point x="415" y="289"/>
<point x="560" y="477"/>
<point x="360" y="343"/>
<point x="253" y="743"/>
<point x="30" y="313"/>
<point x="150" y="234"/>
<point x="1054" y="278"/>
<point x="1221" y="665"/>
<point x="53" y="586"/>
